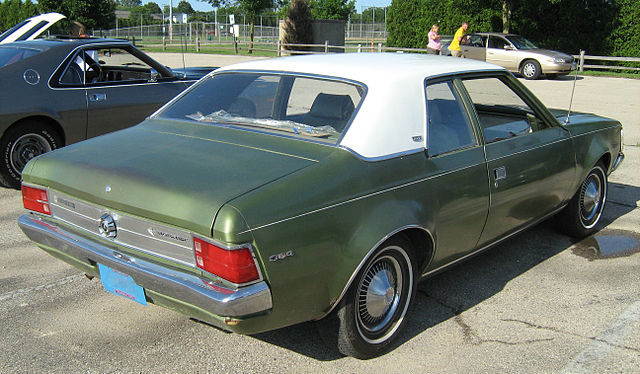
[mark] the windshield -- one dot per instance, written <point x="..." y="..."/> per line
<point x="10" y="55"/>
<point x="521" y="43"/>
<point x="300" y="106"/>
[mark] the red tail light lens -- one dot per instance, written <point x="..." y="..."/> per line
<point x="35" y="199"/>
<point x="234" y="265"/>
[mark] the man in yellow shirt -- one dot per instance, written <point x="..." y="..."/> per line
<point x="454" y="47"/>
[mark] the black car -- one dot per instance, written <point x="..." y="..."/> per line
<point x="55" y="92"/>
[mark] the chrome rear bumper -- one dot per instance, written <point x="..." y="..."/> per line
<point x="190" y="289"/>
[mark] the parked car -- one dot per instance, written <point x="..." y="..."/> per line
<point x="56" y="92"/>
<point x="30" y="28"/>
<point x="516" y="54"/>
<point x="321" y="187"/>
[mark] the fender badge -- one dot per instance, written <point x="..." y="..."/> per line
<point x="280" y="256"/>
<point x="31" y="76"/>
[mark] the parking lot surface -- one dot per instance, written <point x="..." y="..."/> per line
<point x="538" y="303"/>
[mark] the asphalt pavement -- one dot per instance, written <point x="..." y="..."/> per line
<point x="538" y="303"/>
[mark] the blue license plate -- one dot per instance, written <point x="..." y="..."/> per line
<point x="121" y="284"/>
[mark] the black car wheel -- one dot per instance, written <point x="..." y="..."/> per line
<point x="20" y="144"/>
<point x="580" y="217"/>
<point x="373" y="311"/>
<point x="530" y="69"/>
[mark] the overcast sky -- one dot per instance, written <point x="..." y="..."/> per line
<point x="206" y="7"/>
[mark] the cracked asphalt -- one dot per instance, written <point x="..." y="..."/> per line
<point x="537" y="303"/>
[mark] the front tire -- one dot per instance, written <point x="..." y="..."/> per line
<point x="20" y="144"/>
<point x="373" y="311"/>
<point x="530" y="69"/>
<point x="582" y="215"/>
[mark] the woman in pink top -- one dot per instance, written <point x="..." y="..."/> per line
<point x="434" y="46"/>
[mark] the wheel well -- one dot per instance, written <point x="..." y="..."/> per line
<point x="525" y="61"/>
<point x="421" y="245"/>
<point x="606" y="160"/>
<point x="51" y="123"/>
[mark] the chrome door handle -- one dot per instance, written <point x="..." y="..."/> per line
<point x="499" y="173"/>
<point x="97" y="97"/>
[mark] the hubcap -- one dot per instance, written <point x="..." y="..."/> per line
<point x="379" y="294"/>
<point x="529" y="70"/>
<point x="27" y="147"/>
<point x="590" y="198"/>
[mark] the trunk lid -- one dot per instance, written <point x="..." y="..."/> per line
<point x="176" y="173"/>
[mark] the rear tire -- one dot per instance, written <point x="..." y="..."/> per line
<point x="582" y="215"/>
<point x="21" y="143"/>
<point x="530" y="69"/>
<point x="373" y="311"/>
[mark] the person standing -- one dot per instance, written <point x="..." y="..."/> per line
<point x="434" y="46"/>
<point x="454" y="47"/>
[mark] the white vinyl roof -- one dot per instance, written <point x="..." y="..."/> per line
<point x="392" y="117"/>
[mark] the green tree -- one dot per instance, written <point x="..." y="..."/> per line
<point x="297" y="26"/>
<point x="14" y="11"/>
<point x="625" y="37"/>
<point x="185" y="7"/>
<point x="332" y="9"/>
<point x="252" y="8"/>
<point x="129" y="4"/>
<point x="91" y="13"/>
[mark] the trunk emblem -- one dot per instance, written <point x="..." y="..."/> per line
<point x="107" y="226"/>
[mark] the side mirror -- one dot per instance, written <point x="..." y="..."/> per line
<point x="509" y="48"/>
<point x="154" y="75"/>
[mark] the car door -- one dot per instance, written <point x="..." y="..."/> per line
<point x="124" y="91"/>
<point x="461" y="186"/>
<point x="501" y="52"/>
<point x="530" y="159"/>
<point x="474" y="46"/>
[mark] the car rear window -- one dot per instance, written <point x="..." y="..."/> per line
<point x="300" y="106"/>
<point x="10" y="55"/>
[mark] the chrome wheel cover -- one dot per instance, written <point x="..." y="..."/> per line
<point x="25" y="148"/>
<point x="382" y="296"/>
<point x="529" y="70"/>
<point x="592" y="198"/>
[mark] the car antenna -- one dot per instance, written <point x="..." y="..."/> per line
<point x="575" y="78"/>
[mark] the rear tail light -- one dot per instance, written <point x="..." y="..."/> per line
<point x="234" y="265"/>
<point x="35" y="199"/>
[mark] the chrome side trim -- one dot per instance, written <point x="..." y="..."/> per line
<point x="369" y="254"/>
<point x="361" y="197"/>
<point x="218" y="299"/>
<point x="568" y="138"/>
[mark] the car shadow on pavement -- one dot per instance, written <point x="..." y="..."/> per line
<point x="448" y="294"/>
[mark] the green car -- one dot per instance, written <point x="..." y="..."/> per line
<point x="321" y="188"/>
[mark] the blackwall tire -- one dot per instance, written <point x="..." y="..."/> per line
<point x="581" y="216"/>
<point x="374" y="310"/>
<point x="530" y="69"/>
<point x="21" y="143"/>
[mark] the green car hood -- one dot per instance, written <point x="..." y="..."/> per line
<point x="177" y="173"/>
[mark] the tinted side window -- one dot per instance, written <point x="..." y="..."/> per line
<point x="502" y="113"/>
<point x="449" y="127"/>
<point x="497" y="42"/>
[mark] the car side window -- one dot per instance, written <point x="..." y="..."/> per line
<point x="497" y="42"/>
<point x="448" y="125"/>
<point x="476" y="41"/>
<point x="502" y="113"/>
